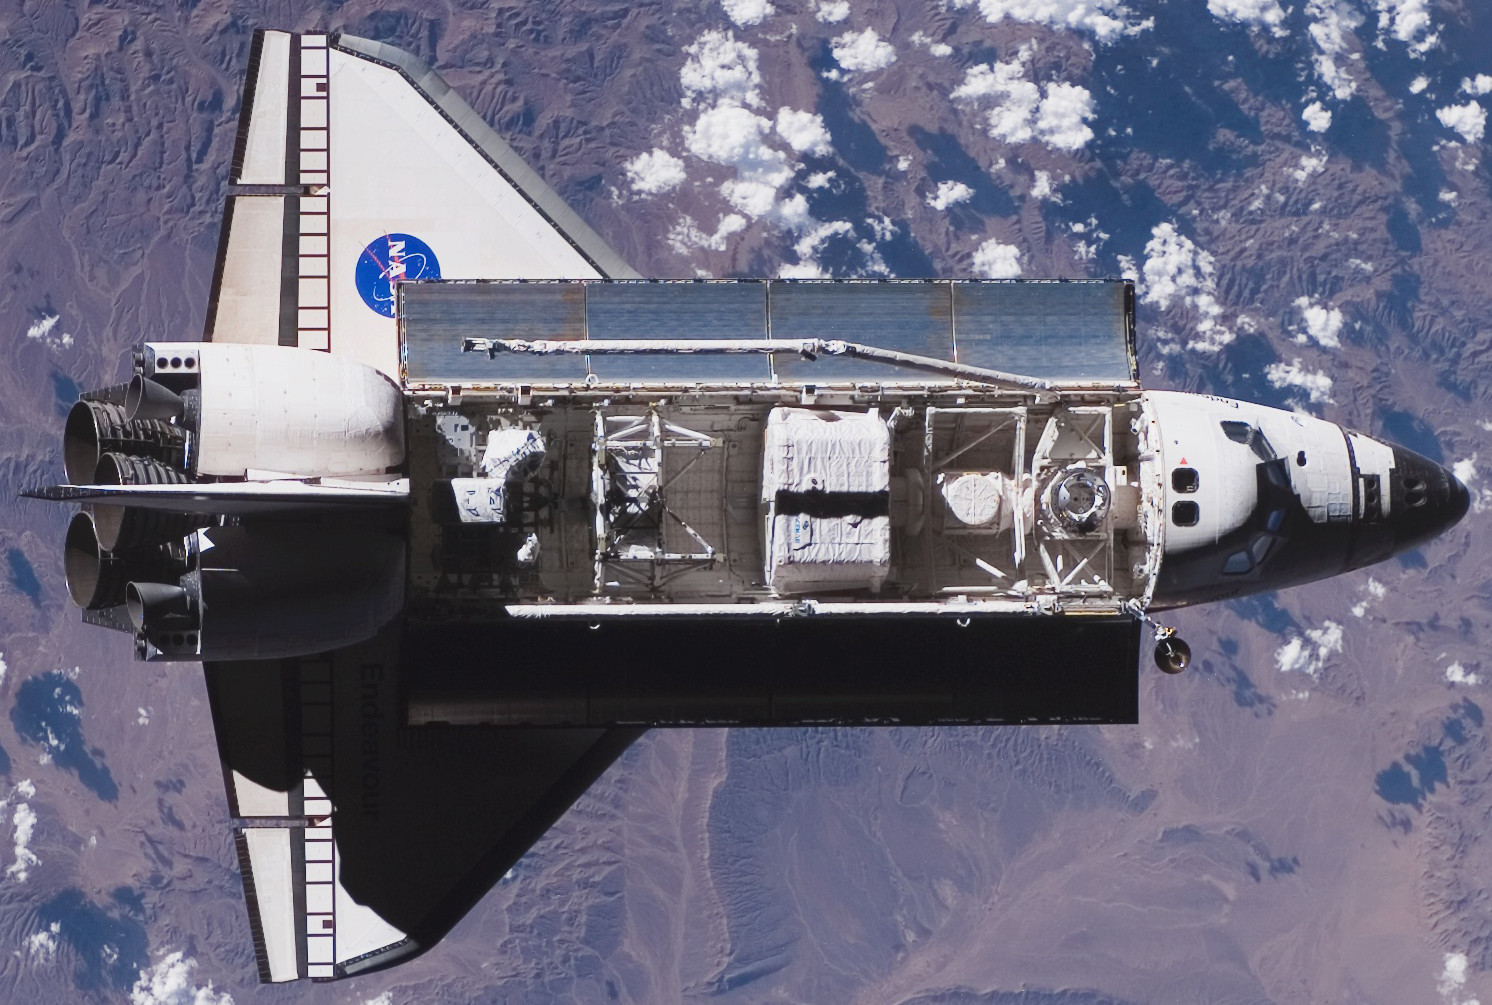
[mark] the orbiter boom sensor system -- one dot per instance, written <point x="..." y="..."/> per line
<point x="444" y="461"/>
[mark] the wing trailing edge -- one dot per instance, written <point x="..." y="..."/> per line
<point x="362" y="840"/>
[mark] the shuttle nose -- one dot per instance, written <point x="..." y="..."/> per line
<point x="1424" y="499"/>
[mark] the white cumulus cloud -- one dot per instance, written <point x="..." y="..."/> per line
<point x="1375" y="591"/>
<point x="1406" y="20"/>
<point x="25" y="824"/>
<point x="732" y="135"/>
<point x="1309" y="654"/>
<point x="41" y="331"/>
<point x="831" y="11"/>
<point x="950" y="193"/>
<point x="745" y="13"/>
<point x="1055" y="113"/>
<point x="722" y="69"/>
<point x="1106" y="20"/>
<point x="42" y="945"/>
<point x="655" y="172"/>
<point x="686" y="235"/>
<point x="1469" y="120"/>
<point x="1452" y="979"/>
<point x="1465" y="470"/>
<point x="1333" y="22"/>
<point x="1314" y="383"/>
<point x="1266" y="14"/>
<point x="1177" y="271"/>
<point x="1457" y="674"/>
<point x="861" y="51"/>
<point x="805" y="132"/>
<point x="1322" y="323"/>
<point x="169" y="982"/>
<point x="1478" y="85"/>
<point x="993" y="260"/>
<point x="1317" y="117"/>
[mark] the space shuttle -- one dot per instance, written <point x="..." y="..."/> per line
<point x="451" y="505"/>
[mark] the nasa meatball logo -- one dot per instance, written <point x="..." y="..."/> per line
<point x="389" y="260"/>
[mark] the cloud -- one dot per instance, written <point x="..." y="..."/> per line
<point x="805" y="132"/>
<point x="686" y="235"/>
<point x="862" y="51"/>
<point x="1317" y="117"/>
<point x="1375" y="591"/>
<point x="1406" y="20"/>
<point x="1061" y="119"/>
<point x="1106" y="20"/>
<point x="936" y="48"/>
<point x="169" y="982"/>
<point x="1478" y="85"/>
<point x="1452" y="979"/>
<point x="831" y="11"/>
<point x="1177" y="271"/>
<point x="41" y="331"/>
<point x="1457" y="674"/>
<point x="720" y="68"/>
<point x="1465" y="470"/>
<point x="1022" y="112"/>
<point x="731" y="135"/>
<point x="949" y="193"/>
<point x="42" y="945"/>
<point x="1316" y="384"/>
<point x="1470" y="120"/>
<point x="1266" y="14"/>
<point x="655" y="172"/>
<point x="1322" y="323"/>
<point x="1332" y="22"/>
<point x="744" y="13"/>
<point x="1309" y="165"/>
<point x="993" y="260"/>
<point x="25" y="821"/>
<point x="1308" y="655"/>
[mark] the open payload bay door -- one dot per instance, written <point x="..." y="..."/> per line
<point x="357" y="168"/>
<point x="362" y="841"/>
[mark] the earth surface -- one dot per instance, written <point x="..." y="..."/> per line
<point x="1301" y="189"/>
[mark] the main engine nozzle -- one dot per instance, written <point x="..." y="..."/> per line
<point x="97" y="577"/>
<point x="95" y="428"/>
<point x="128" y="528"/>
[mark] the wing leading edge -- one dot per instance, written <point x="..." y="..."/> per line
<point x="357" y="167"/>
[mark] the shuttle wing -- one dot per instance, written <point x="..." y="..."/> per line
<point x="356" y="168"/>
<point x="363" y="841"/>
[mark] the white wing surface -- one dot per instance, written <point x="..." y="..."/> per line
<point x="357" y="168"/>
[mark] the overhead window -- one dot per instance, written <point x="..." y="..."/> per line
<point x="1185" y="479"/>
<point x="1185" y="513"/>
<point x="1250" y="436"/>
<point x="1238" y="432"/>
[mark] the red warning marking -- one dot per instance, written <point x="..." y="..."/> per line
<point x="1183" y="462"/>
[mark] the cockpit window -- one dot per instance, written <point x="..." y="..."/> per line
<point x="1184" y="479"/>
<point x="1185" y="513"/>
<point x="1237" y="564"/>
